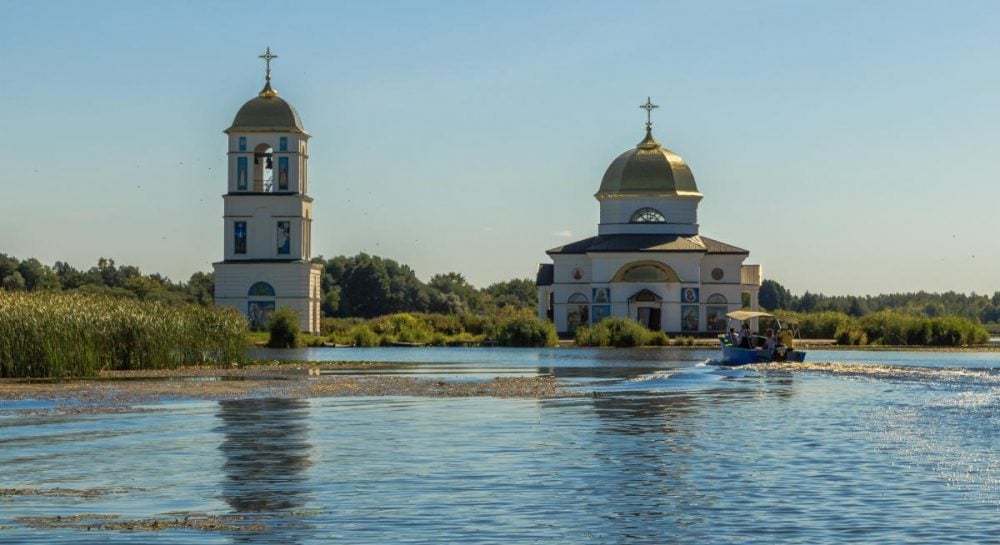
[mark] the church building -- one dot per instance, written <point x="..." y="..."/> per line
<point x="648" y="261"/>
<point x="267" y="214"/>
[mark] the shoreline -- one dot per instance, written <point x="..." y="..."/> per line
<point x="126" y="391"/>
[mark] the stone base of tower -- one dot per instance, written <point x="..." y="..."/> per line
<point x="257" y="288"/>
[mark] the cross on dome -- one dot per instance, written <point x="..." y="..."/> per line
<point x="267" y="91"/>
<point x="649" y="107"/>
<point x="267" y="56"/>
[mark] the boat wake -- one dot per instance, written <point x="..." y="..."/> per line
<point x="885" y="372"/>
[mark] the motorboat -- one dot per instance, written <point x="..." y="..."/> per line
<point x="757" y="351"/>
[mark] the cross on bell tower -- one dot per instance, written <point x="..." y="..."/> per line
<point x="267" y="91"/>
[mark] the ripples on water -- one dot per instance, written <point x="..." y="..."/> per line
<point x="657" y="448"/>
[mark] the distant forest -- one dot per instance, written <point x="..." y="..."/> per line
<point x="362" y="286"/>
<point x="982" y="308"/>
<point x="367" y="286"/>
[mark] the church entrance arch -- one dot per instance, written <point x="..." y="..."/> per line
<point x="260" y="304"/>
<point x="577" y="312"/>
<point x="647" y="307"/>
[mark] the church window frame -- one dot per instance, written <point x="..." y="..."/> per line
<point x="243" y="143"/>
<point x="716" y="308"/>
<point x="647" y="215"/>
<point x="283" y="234"/>
<point x="240" y="237"/>
<point x="241" y="173"/>
<point x="283" y="143"/>
<point x="260" y="304"/>
<point x="283" y="173"/>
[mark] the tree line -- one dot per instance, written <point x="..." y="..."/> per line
<point x="368" y="286"/>
<point x="982" y="308"/>
<point x="362" y="286"/>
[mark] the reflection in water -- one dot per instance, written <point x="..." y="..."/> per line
<point x="266" y="453"/>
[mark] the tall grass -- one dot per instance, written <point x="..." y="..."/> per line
<point x="51" y="334"/>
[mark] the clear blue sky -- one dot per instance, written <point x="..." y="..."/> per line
<point x="850" y="146"/>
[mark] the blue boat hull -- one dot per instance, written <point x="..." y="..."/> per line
<point x="732" y="355"/>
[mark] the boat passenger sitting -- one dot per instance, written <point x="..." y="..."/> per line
<point x="744" y="340"/>
<point x="772" y="342"/>
<point x="731" y="338"/>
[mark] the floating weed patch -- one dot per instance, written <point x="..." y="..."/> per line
<point x="90" y="522"/>
<point x="60" y="335"/>
<point x="65" y="492"/>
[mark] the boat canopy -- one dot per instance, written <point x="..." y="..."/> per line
<point x="747" y="314"/>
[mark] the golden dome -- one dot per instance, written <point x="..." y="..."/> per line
<point x="267" y="112"/>
<point x="648" y="170"/>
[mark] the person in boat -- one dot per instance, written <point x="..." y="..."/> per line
<point x="732" y="338"/>
<point x="771" y="342"/>
<point x="744" y="340"/>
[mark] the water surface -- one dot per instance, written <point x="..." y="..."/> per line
<point x="657" y="447"/>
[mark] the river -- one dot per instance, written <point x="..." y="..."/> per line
<point x="657" y="447"/>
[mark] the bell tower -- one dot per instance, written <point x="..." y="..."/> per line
<point x="267" y="214"/>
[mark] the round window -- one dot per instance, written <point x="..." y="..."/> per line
<point x="718" y="273"/>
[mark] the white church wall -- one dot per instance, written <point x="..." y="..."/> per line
<point x="564" y="267"/>
<point x="681" y="214"/>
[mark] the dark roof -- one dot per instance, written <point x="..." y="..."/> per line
<point x="647" y="243"/>
<point x="546" y="275"/>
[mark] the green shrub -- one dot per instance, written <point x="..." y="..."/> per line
<point x="283" y="327"/>
<point x="526" y="331"/>
<point x="851" y="335"/>
<point x="620" y="332"/>
<point x="821" y="325"/>
<point x="657" y="338"/>
<point x="363" y="336"/>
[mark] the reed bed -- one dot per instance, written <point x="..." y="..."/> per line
<point x="49" y="334"/>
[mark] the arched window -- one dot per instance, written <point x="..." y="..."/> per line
<point x="261" y="289"/>
<point x="715" y="312"/>
<point x="577" y="298"/>
<point x="645" y="271"/>
<point x="647" y="215"/>
<point x="260" y="304"/>
<point x="263" y="168"/>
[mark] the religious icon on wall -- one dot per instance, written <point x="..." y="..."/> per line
<point x="602" y="295"/>
<point x="577" y="273"/>
<point x="258" y="312"/>
<point x="599" y="312"/>
<point x="718" y="273"/>
<point x="240" y="237"/>
<point x="715" y="318"/>
<point x="284" y="237"/>
<point x="241" y="173"/>
<point x="283" y="173"/>
<point x="689" y="317"/>
<point x="689" y="295"/>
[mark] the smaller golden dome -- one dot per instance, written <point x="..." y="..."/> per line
<point x="267" y="112"/>
<point x="648" y="169"/>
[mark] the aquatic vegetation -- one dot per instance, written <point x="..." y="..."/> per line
<point x="283" y="329"/>
<point x="620" y="332"/>
<point x="51" y="334"/>
<point x="526" y="331"/>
